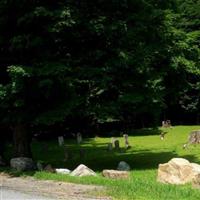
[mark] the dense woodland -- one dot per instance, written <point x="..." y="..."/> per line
<point x="96" y="66"/>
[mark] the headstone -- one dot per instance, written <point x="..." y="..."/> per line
<point x="112" y="140"/>
<point x="82" y="153"/>
<point x="83" y="170"/>
<point x="194" y="138"/>
<point x="66" y="154"/>
<point x="22" y="164"/>
<point x="123" y="166"/>
<point x="166" y="124"/>
<point x="110" y="147"/>
<point x="126" y="140"/>
<point x="79" y="138"/>
<point x="115" y="174"/>
<point x="117" y="144"/>
<point x="61" y="140"/>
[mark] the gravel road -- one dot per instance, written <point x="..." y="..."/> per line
<point x="7" y="194"/>
<point x="25" y="188"/>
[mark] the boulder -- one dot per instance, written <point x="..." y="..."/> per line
<point x="123" y="166"/>
<point x="196" y="181"/>
<point x="22" y="164"/>
<point x="83" y="170"/>
<point x="62" y="171"/>
<point x="177" y="171"/>
<point x="115" y="174"/>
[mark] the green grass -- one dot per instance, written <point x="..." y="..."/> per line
<point x="146" y="152"/>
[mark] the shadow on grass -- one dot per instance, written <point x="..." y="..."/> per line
<point x="97" y="157"/>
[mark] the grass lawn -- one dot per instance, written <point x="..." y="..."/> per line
<point x="146" y="152"/>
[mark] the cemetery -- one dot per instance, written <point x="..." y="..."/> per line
<point x="149" y="164"/>
<point x="100" y="100"/>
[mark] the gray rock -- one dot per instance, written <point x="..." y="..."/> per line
<point x="63" y="171"/>
<point x="83" y="170"/>
<point x="123" y="166"/>
<point x="22" y="164"/>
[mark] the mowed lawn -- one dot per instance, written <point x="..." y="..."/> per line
<point x="146" y="152"/>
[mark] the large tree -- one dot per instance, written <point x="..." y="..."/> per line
<point x="66" y="60"/>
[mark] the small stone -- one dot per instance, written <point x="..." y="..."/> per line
<point x="49" y="168"/>
<point x="63" y="171"/>
<point x="115" y="174"/>
<point x="123" y="166"/>
<point x="83" y="170"/>
<point x="22" y="164"/>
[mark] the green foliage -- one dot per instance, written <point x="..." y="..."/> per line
<point x="119" y="60"/>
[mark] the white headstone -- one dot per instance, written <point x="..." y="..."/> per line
<point x="110" y="146"/>
<point x="79" y="138"/>
<point x="126" y="140"/>
<point x="61" y="140"/>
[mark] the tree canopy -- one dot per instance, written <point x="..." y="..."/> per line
<point x="100" y="61"/>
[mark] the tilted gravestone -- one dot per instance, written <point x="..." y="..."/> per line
<point x="117" y="146"/>
<point x="109" y="147"/>
<point x="126" y="140"/>
<point x="79" y="138"/>
<point x="61" y="140"/>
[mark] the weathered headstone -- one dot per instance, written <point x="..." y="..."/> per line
<point x="166" y="124"/>
<point x="66" y="154"/>
<point x="110" y="147"/>
<point x="194" y="138"/>
<point x="61" y="140"/>
<point x="79" y="138"/>
<point x="82" y="153"/>
<point x="112" y="141"/>
<point x="126" y="140"/>
<point x="117" y="146"/>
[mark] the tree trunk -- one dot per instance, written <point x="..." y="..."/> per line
<point x="21" y="141"/>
